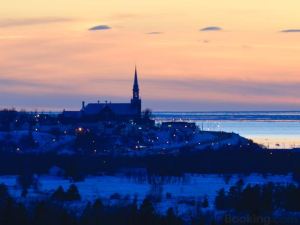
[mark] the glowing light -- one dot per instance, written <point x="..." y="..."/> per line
<point x="80" y="129"/>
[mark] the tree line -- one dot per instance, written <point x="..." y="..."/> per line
<point x="54" y="211"/>
<point x="224" y="161"/>
<point x="259" y="198"/>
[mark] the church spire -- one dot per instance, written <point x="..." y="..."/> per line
<point x="136" y="102"/>
<point x="135" y="85"/>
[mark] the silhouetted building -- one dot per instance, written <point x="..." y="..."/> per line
<point x="110" y="110"/>
<point x="178" y="125"/>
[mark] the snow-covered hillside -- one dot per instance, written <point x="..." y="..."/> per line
<point x="183" y="193"/>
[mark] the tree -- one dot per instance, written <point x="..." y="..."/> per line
<point x="171" y="218"/>
<point x="56" y="132"/>
<point x="4" y="192"/>
<point x="147" y="213"/>
<point x="133" y="213"/>
<point x="220" y="201"/>
<point x="147" y="114"/>
<point x="7" y="116"/>
<point x="27" y="141"/>
<point x="59" y="194"/>
<point x="26" y="181"/>
<point x="47" y="213"/>
<point x="205" y="202"/>
<point x="72" y="193"/>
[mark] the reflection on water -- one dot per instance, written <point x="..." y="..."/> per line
<point x="272" y="134"/>
<point x="272" y="129"/>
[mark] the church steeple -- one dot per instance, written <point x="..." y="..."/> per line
<point x="136" y="91"/>
<point x="136" y="102"/>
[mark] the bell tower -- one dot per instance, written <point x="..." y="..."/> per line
<point x="136" y="101"/>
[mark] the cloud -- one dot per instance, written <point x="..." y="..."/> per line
<point x="231" y="87"/>
<point x="205" y="41"/>
<point x="11" y="83"/>
<point x="212" y="28"/>
<point x="291" y="31"/>
<point x="154" y="33"/>
<point x="100" y="27"/>
<point x="31" y="21"/>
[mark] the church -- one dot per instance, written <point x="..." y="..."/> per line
<point x="108" y="110"/>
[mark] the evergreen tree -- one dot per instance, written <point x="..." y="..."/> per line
<point x="59" y="194"/>
<point x="133" y="214"/>
<point x="220" y="201"/>
<point x="171" y="218"/>
<point x="72" y="193"/>
<point x="3" y="192"/>
<point x="147" y="213"/>
<point x="205" y="203"/>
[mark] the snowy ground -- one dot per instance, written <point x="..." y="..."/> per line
<point x="184" y="193"/>
<point x="166" y="141"/>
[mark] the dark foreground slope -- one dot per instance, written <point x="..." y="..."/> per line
<point x="227" y="160"/>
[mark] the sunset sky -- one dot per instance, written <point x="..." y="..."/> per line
<point x="191" y="55"/>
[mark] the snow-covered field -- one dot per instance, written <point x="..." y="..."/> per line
<point x="185" y="192"/>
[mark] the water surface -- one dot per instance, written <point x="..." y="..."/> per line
<point x="272" y="129"/>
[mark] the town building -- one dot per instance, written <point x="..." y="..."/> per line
<point x="108" y="110"/>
